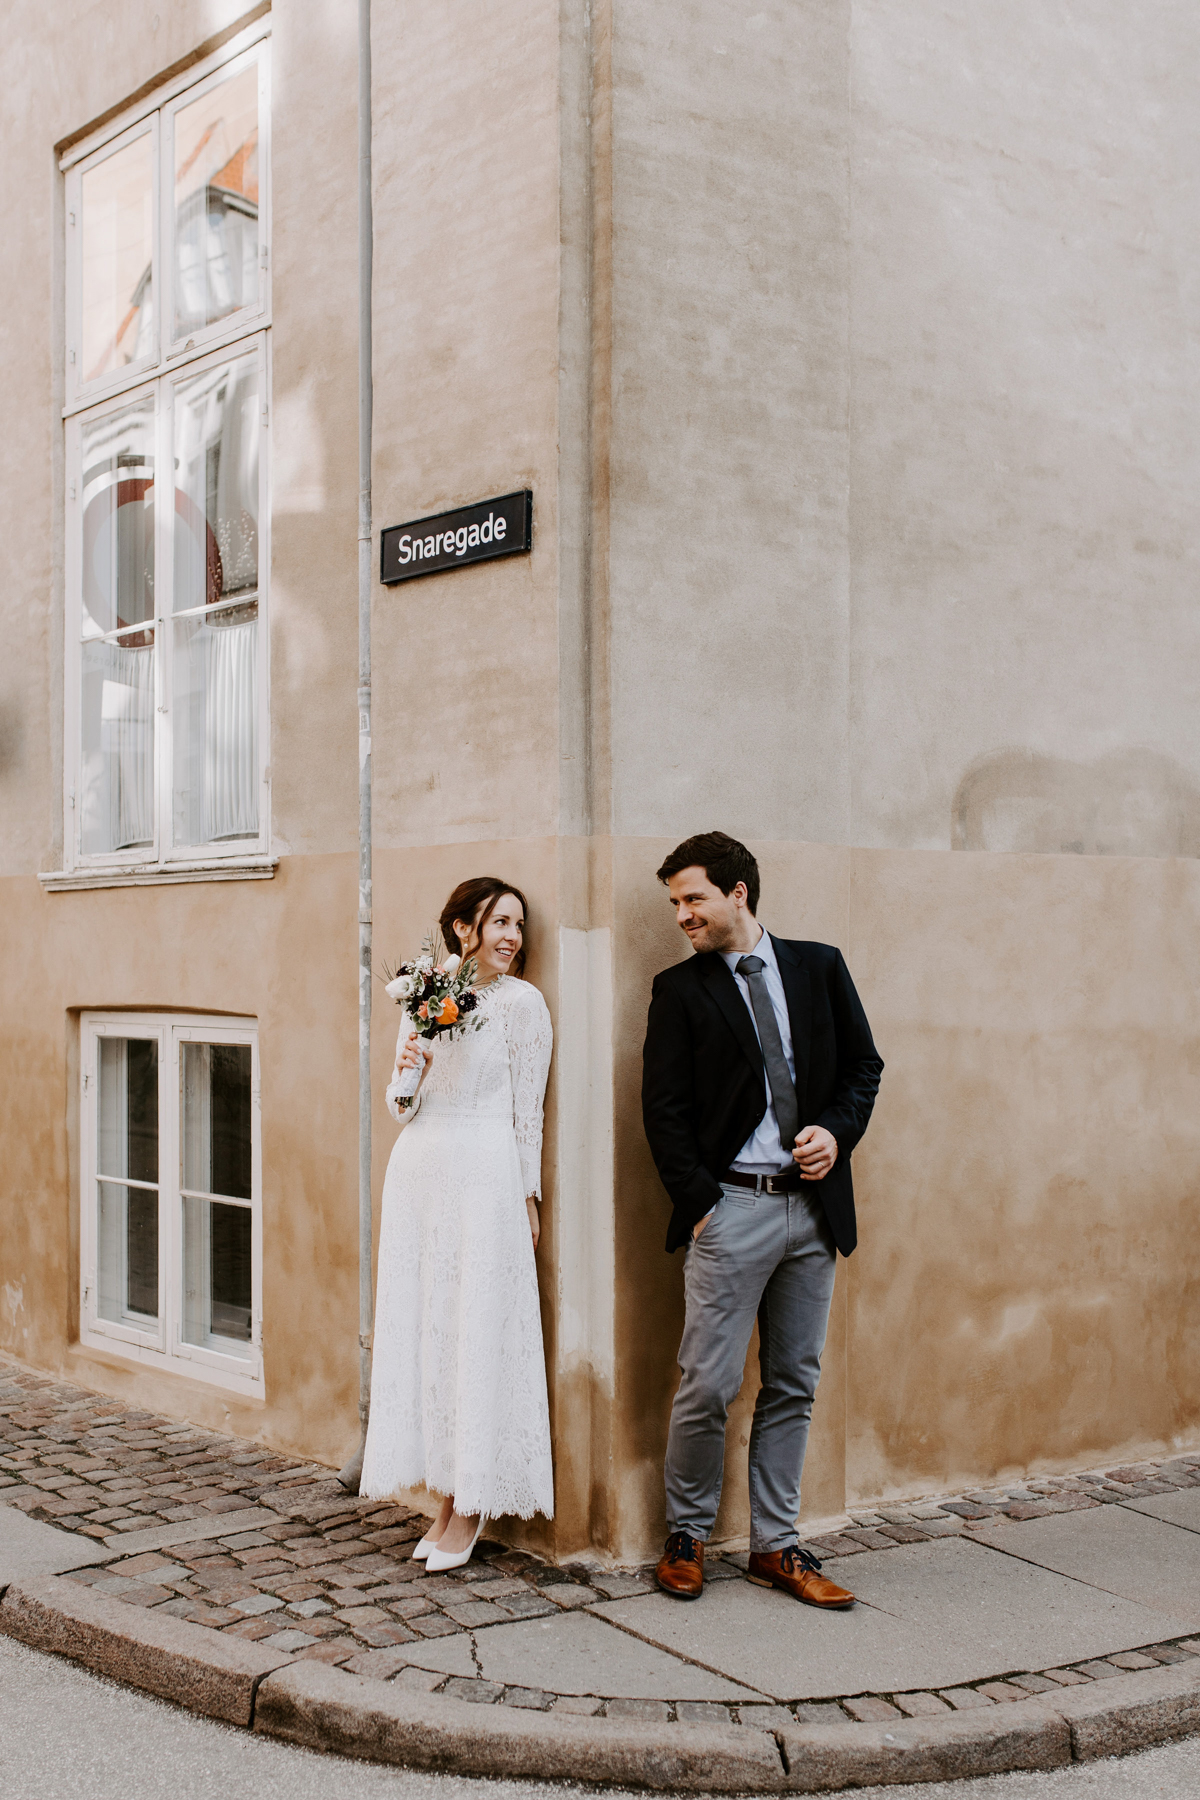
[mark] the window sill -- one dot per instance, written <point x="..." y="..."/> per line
<point x="240" y="868"/>
<point x="121" y="1354"/>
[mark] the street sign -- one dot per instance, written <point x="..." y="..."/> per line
<point x="447" y="540"/>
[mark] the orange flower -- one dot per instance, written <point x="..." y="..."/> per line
<point x="422" y="1011"/>
<point x="449" y="1011"/>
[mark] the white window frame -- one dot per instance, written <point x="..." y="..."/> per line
<point x="247" y="318"/>
<point x="158" y="117"/>
<point x="78" y="391"/>
<point x="164" y="856"/>
<point x="160" y="1343"/>
<point x="246" y="331"/>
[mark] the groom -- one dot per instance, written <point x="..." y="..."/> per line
<point x="759" y="1078"/>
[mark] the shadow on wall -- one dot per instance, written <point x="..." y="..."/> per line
<point x="1129" y="803"/>
<point x="10" y="737"/>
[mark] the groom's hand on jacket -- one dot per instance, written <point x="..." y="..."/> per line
<point x="816" y="1151"/>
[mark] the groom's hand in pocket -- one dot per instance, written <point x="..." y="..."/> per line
<point x="697" y="1229"/>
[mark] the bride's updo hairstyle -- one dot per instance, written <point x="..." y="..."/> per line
<point x="474" y="902"/>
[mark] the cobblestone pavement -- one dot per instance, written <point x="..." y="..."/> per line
<point x="231" y="1536"/>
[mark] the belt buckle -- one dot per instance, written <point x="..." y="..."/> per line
<point x="769" y="1185"/>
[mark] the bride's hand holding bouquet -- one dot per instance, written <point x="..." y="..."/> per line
<point x="438" y="999"/>
<point x="415" y="1055"/>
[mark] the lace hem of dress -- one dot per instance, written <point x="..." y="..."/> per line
<point x="528" y="1508"/>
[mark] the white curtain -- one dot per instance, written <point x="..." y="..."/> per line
<point x="127" y="742"/>
<point x="231" y="730"/>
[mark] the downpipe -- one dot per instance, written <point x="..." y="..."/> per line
<point x="350" y="1475"/>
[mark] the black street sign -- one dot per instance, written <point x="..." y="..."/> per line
<point x="446" y="540"/>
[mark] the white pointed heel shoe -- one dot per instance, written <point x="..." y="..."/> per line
<point x="438" y="1561"/>
<point x="421" y="1550"/>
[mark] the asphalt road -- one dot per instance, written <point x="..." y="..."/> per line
<point x="65" y="1733"/>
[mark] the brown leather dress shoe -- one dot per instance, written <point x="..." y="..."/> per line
<point x="798" y="1574"/>
<point x="681" y="1569"/>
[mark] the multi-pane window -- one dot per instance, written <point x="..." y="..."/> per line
<point x="170" y="1208"/>
<point x="167" y="367"/>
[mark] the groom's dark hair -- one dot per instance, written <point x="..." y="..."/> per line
<point x="725" y="862"/>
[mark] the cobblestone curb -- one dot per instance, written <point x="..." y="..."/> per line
<point x="230" y="1536"/>
<point x="1027" y="1735"/>
<point x="327" y="1708"/>
<point x="198" y="1669"/>
<point x="247" y="1586"/>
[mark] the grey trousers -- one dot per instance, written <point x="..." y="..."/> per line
<point x="764" y="1254"/>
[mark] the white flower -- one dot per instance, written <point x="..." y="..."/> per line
<point x="451" y="965"/>
<point x="402" y="988"/>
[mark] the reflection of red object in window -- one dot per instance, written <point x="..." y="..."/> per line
<point x="106" y="355"/>
<point x="189" y="514"/>
<point x="240" y="174"/>
<point x="237" y="176"/>
<point x="105" y="510"/>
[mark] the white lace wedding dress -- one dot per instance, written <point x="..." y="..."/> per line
<point x="458" y="1384"/>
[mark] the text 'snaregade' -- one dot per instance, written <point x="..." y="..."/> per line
<point x="502" y="527"/>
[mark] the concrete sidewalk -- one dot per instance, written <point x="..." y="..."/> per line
<point x="971" y="1605"/>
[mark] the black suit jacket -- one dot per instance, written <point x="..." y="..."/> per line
<point x="704" y="1081"/>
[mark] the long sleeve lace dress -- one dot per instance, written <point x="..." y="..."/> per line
<point x="458" y="1385"/>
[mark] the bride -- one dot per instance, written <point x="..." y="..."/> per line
<point x="458" y="1385"/>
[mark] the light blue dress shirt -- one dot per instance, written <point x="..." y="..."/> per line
<point x="762" y="1154"/>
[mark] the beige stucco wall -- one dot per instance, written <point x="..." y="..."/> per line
<point x="844" y="351"/>
<point x="254" y="949"/>
<point x="904" y="383"/>
<point x="1024" y="465"/>
<point x="1022" y="1296"/>
<point x="729" y="569"/>
<point x="1024" y="1291"/>
<point x="903" y="529"/>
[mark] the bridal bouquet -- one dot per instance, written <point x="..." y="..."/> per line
<point x="438" y="998"/>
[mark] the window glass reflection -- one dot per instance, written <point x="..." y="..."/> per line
<point x="216" y="203"/>
<point x="116" y="775"/>
<point x="214" y="681"/>
<point x="127" y="1272"/>
<point x="214" y="707"/>
<point x="216" y="1119"/>
<point x="118" y="520"/>
<point x="216" y="1274"/>
<point x="117" y="231"/>
<point x="127" y="1145"/>
<point x="216" y="485"/>
<point x="128" y="1108"/>
<point x="217" y="1145"/>
<point x="117" y="717"/>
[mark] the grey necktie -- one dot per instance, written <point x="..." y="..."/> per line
<point x="783" y="1088"/>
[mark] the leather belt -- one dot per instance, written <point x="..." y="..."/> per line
<point x="784" y="1183"/>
